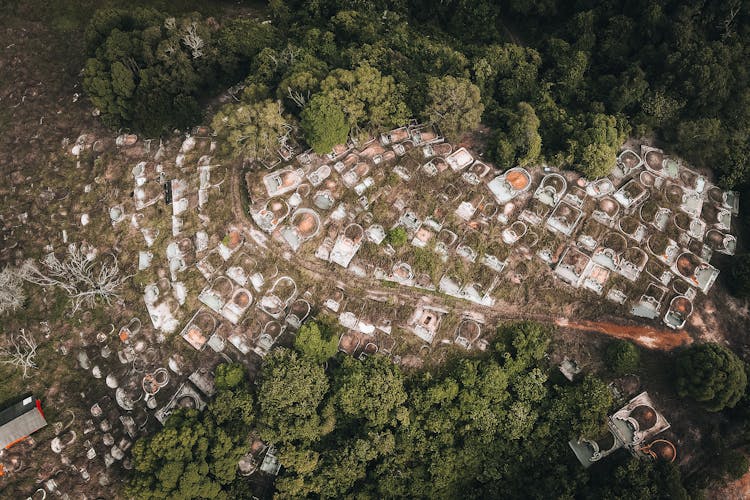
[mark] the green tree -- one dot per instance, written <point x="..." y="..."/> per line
<point x="290" y="392"/>
<point x="622" y="357"/>
<point x="251" y="130"/>
<point x="580" y="410"/>
<point x="239" y="41"/>
<point x="568" y="72"/>
<point x="397" y="237"/>
<point x="146" y="70"/>
<point x="733" y="464"/>
<point x="636" y="479"/>
<point x="367" y="98"/>
<point x="710" y="374"/>
<point x="627" y="91"/>
<point x="454" y="104"/>
<point x="519" y="141"/>
<point x="301" y="79"/>
<point x="659" y="107"/>
<point x="317" y="342"/>
<point x="323" y="124"/>
<point x="370" y="391"/>
<point x="702" y="140"/>
<point x="595" y="149"/>
<point x="530" y="386"/>
<point x="522" y="345"/>
<point x="190" y="457"/>
<point x="230" y="376"/>
<point x="508" y="72"/>
<point x="234" y="410"/>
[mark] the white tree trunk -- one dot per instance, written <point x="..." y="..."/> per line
<point x="20" y="352"/>
<point x="81" y="278"/>
<point x="193" y="41"/>
<point x="11" y="292"/>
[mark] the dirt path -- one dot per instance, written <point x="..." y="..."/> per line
<point x="646" y="336"/>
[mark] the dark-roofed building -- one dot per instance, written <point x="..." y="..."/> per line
<point x="19" y="420"/>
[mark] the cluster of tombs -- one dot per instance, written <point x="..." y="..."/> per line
<point x="138" y="380"/>
<point x="241" y="307"/>
<point x="643" y="237"/>
<point x="634" y="427"/>
<point x="204" y="282"/>
<point x="653" y="222"/>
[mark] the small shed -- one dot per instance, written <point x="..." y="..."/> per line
<point x="20" y="419"/>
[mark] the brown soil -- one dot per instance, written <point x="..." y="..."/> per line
<point x="647" y="336"/>
<point x="736" y="490"/>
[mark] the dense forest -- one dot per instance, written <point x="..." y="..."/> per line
<point x="565" y="82"/>
<point x="492" y="426"/>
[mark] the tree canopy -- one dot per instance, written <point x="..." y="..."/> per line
<point x="146" y="69"/>
<point x="290" y="391"/>
<point x="454" y="104"/>
<point x="195" y="454"/>
<point x="622" y="357"/>
<point x="712" y="375"/>
<point x="251" y="129"/>
<point x="591" y="73"/>
<point x="371" y="391"/>
<point x="367" y="98"/>
<point x="518" y="142"/>
<point x="397" y="236"/>
<point x="324" y="124"/>
<point x="486" y="426"/>
<point x="318" y="341"/>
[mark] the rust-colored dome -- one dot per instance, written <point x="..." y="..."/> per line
<point x="629" y="159"/>
<point x="663" y="450"/>
<point x="608" y="206"/>
<point x="242" y="299"/>
<point x="686" y="264"/>
<point x="645" y="416"/>
<point x="273" y="328"/>
<point x="564" y="211"/>
<point x="354" y="232"/>
<point x="682" y="304"/>
<point x="654" y="159"/>
<point x="517" y="179"/>
<point x="300" y="307"/>
<point x="288" y="178"/>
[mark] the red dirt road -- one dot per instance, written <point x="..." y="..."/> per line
<point x="651" y="338"/>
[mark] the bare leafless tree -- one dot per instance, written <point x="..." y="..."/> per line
<point x="290" y="54"/>
<point x="20" y="351"/>
<point x="727" y="23"/>
<point x="284" y="138"/>
<point x="83" y="279"/>
<point x="11" y="292"/>
<point x="193" y="41"/>
<point x="299" y="98"/>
